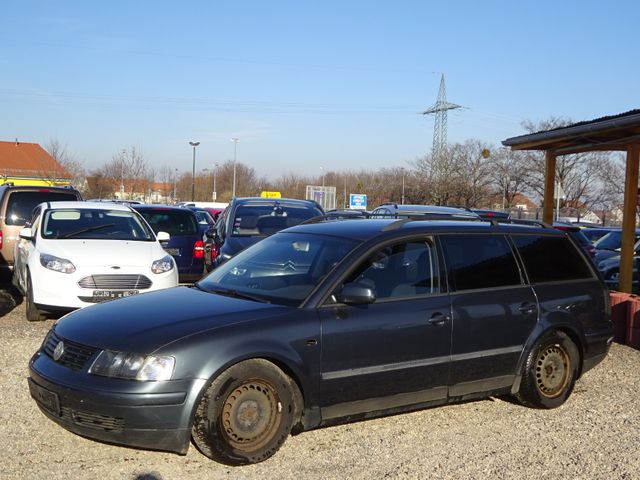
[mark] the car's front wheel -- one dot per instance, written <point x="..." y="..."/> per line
<point x="246" y="413"/>
<point x="550" y="371"/>
<point x="33" y="313"/>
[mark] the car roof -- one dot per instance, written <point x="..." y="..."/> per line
<point x="363" y="229"/>
<point x="273" y="201"/>
<point x="161" y="207"/>
<point x="88" y="205"/>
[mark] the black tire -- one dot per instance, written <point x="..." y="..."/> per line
<point x="33" y="313"/>
<point x="550" y="371"/>
<point x="246" y="413"/>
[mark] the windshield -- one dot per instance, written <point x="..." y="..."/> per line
<point x="85" y="223"/>
<point x="266" y="219"/>
<point x="281" y="269"/>
<point x="611" y="241"/>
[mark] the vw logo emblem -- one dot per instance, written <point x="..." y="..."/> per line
<point x="59" y="351"/>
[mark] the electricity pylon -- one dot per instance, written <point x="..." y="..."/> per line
<point x="439" y="109"/>
<point x="439" y="166"/>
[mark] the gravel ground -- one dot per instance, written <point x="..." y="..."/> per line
<point x="595" y="435"/>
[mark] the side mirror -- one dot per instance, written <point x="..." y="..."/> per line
<point x="26" y="234"/>
<point x="163" y="237"/>
<point x="356" y="294"/>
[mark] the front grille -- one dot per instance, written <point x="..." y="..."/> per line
<point x="115" y="282"/>
<point x="75" y="355"/>
<point x="93" y="420"/>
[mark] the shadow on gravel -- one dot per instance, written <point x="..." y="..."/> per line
<point x="10" y="298"/>
<point x="147" y="476"/>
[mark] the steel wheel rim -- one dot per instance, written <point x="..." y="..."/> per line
<point x="251" y="414"/>
<point x="552" y="371"/>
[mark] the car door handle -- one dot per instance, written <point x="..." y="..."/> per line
<point x="438" y="319"/>
<point x="527" y="308"/>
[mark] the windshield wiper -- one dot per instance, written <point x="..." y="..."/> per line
<point x="86" y="230"/>
<point x="235" y="293"/>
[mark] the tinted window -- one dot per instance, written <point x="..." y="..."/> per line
<point x="21" y="204"/>
<point x="400" y="270"/>
<point x="266" y="219"/>
<point x="174" y="222"/>
<point x="548" y="259"/>
<point x="480" y="261"/>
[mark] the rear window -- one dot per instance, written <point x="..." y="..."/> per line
<point x="480" y="261"/>
<point x="174" y="222"/>
<point x="21" y="204"/>
<point x="550" y="259"/>
<point x="266" y="219"/>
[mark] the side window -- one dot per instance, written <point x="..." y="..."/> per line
<point x="401" y="270"/>
<point x="551" y="258"/>
<point x="480" y="261"/>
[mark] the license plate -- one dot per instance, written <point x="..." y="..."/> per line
<point x="174" y="252"/>
<point x="112" y="294"/>
<point x="46" y="399"/>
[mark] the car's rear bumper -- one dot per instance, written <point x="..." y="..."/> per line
<point x="156" y="421"/>
<point x="596" y="348"/>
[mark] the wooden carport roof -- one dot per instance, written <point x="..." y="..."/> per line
<point x="613" y="133"/>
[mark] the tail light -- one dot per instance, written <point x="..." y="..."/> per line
<point x="198" y="249"/>
<point x="0" y="240"/>
<point x="214" y="252"/>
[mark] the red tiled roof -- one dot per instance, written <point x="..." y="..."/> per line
<point x="28" y="160"/>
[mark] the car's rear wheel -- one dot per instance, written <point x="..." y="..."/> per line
<point x="33" y="313"/>
<point x="550" y="371"/>
<point x="246" y="413"/>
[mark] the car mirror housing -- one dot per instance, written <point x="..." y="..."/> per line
<point x="163" y="237"/>
<point x="26" y="233"/>
<point x="356" y="294"/>
<point x="211" y="233"/>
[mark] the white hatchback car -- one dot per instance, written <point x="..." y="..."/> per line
<point x="75" y="254"/>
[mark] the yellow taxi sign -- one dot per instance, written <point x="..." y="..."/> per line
<point x="271" y="195"/>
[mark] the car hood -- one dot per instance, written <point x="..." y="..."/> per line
<point x="144" y="323"/>
<point x="602" y="254"/>
<point x="105" y="252"/>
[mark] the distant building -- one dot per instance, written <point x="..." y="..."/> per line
<point x="30" y="164"/>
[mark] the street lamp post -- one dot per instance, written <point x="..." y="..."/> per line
<point x="193" y="171"/>
<point x="215" y="192"/>
<point x="235" y="158"/>
<point x="402" y="200"/>
<point x="175" y="178"/>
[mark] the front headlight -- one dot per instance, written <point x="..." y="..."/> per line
<point x="56" y="264"/>
<point x="163" y="265"/>
<point x="133" y="366"/>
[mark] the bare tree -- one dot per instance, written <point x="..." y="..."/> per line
<point x="62" y="156"/>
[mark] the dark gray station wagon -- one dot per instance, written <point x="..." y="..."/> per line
<point x="329" y="322"/>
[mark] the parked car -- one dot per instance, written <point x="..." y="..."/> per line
<point x="491" y="214"/>
<point x="610" y="244"/>
<point x="434" y="212"/>
<point x="328" y="322"/>
<point x="248" y="220"/>
<point x="16" y="205"/>
<point x="186" y="244"/>
<point x="594" y="234"/>
<point x="76" y="254"/>
<point x="203" y="217"/>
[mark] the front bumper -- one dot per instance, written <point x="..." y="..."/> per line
<point x="150" y="415"/>
<point x="59" y="291"/>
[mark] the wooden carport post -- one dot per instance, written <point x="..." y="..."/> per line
<point x="629" y="218"/>
<point x="549" y="187"/>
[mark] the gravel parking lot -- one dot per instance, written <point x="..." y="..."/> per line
<point x="595" y="435"/>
